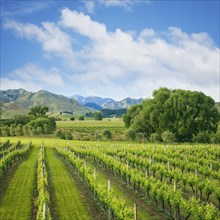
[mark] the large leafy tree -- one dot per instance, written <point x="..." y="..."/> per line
<point x="182" y="112"/>
<point x="39" y="111"/>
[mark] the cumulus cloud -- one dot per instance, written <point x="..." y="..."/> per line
<point x="48" y="35"/>
<point x="32" y="77"/>
<point x="118" y="64"/>
<point x="177" y="57"/>
<point x="83" y="24"/>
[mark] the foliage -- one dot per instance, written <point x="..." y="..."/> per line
<point x="130" y="134"/>
<point x="154" y="137"/>
<point x="48" y="125"/>
<point x="168" y="137"/>
<point x="81" y="118"/>
<point x="107" y="134"/>
<point x="97" y="116"/>
<point x="35" y="124"/>
<point x="68" y="136"/>
<point x="201" y="137"/>
<point x="108" y="113"/>
<point x="72" y="118"/>
<point x="184" y="113"/>
<point x="39" y="111"/>
<point x="59" y="134"/>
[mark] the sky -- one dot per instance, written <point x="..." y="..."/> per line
<point x="111" y="48"/>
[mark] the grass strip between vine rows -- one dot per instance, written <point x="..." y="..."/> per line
<point x="68" y="202"/>
<point x="17" y="201"/>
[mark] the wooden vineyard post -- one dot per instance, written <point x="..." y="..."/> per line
<point x="174" y="185"/>
<point x="135" y="211"/>
<point x="45" y="211"/>
<point x="109" y="209"/>
<point x="95" y="181"/>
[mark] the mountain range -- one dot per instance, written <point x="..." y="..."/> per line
<point x="19" y="101"/>
<point x="99" y="103"/>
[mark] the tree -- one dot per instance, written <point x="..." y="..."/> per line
<point x="39" y="130"/>
<point x="25" y="130"/>
<point x="12" y="130"/>
<point x="154" y="137"/>
<point x="21" y="119"/>
<point x="130" y="134"/>
<point x="97" y="116"/>
<point x="47" y="124"/>
<point x="72" y="118"/>
<point x="168" y="137"/>
<point x="19" y="130"/>
<point x="60" y="134"/>
<point x="184" y="113"/>
<point x="68" y="136"/>
<point x="215" y="138"/>
<point x="202" y="137"/>
<point x="39" y="111"/>
<point x="107" y="134"/>
<point x="81" y="118"/>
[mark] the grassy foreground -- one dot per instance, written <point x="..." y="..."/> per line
<point x="69" y="204"/>
<point x="17" y="201"/>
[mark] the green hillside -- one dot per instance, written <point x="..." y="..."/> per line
<point x="18" y="101"/>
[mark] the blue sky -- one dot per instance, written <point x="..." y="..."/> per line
<point x="110" y="48"/>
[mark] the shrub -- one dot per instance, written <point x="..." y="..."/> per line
<point x="154" y="137"/>
<point x="202" y="137"/>
<point x="81" y="118"/>
<point x="72" y="118"/>
<point x="59" y="134"/>
<point x="215" y="138"/>
<point x="130" y="134"/>
<point x="168" y="137"/>
<point x="68" y="136"/>
<point x="107" y="134"/>
<point x="97" y="116"/>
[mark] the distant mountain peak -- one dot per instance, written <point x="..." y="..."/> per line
<point x="22" y="100"/>
<point x="107" y="103"/>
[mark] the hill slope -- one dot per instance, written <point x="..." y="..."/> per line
<point x="18" y="101"/>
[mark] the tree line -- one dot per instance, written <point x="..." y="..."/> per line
<point x="174" y="116"/>
<point x="35" y="123"/>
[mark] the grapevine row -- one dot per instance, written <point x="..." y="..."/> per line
<point x="106" y="197"/>
<point x="154" y="189"/>
<point x="4" y="152"/>
<point x="12" y="157"/>
<point x="43" y="198"/>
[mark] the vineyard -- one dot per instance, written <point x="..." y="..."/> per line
<point x="88" y="130"/>
<point x="57" y="179"/>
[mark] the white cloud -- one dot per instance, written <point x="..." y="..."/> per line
<point x="83" y="24"/>
<point x="49" y="36"/>
<point x="32" y="77"/>
<point x="90" y="6"/>
<point x="118" y="63"/>
<point x="179" y="59"/>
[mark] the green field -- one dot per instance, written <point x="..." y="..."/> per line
<point x="169" y="190"/>
<point x="88" y="129"/>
